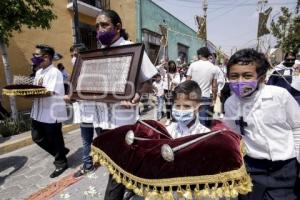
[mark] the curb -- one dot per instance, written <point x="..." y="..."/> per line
<point x="10" y="146"/>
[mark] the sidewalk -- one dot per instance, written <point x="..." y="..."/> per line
<point x="25" y="171"/>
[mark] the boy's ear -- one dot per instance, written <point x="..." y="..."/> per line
<point x="119" y="27"/>
<point x="262" y="79"/>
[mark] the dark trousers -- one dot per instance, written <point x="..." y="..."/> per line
<point x="206" y="112"/>
<point x="49" y="137"/>
<point x="114" y="190"/>
<point x="169" y="101"/>
<point x="272" y="180"/>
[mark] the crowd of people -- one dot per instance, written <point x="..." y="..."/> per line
<point x="264" y="112"/>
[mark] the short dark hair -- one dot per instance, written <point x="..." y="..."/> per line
<point x="250" y="56"/>
<point x="290" y="53"/>
<point x="189" y="88"/>
<point x="204" y="52"/>
<point x="46" y="49"/>
<point x="60" y="66"/>
<point x="115" y="19"/>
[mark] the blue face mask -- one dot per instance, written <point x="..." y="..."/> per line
<point x="183" y="116"/>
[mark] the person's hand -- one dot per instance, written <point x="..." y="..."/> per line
<point x="134" y="102"/>
<point x="67" y="99"/>
<point x="213" y="102"/>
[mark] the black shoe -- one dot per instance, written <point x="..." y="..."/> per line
<point x="83" y="171"/>
<point x="58" y="171"/>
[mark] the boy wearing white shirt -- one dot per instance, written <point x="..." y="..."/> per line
<point x="49" y="111"/>
<point x="185" y="110"/>
<point x="268" y="118"/>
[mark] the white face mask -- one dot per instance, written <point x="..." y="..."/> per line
<point x="73" y="60"/>
<point x="183" y="116"/>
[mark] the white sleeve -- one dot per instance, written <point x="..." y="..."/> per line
<point x="148" y="70"/>
<point x="293" y="118"/>
<point x="55" y="83"/>
<point x="189" y="71"/>
<point x="176" y="79"/>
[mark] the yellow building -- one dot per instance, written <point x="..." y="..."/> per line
<point x="61" y="36"/>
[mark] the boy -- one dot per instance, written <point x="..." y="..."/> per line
<point x="268" y="118"/>
<point x="158" y="87"/>
<point x="185" y="110"/>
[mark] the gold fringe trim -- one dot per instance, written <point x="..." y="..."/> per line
<point x="226" y="184"/>
<point x="24" y="92"/>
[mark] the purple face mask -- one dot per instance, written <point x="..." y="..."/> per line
<point x="106" y="38"/>
<point x="37" y="60"/>
<point x="243" y="88"/>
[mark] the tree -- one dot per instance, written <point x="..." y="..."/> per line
<point x="14" y="15"/>
<point x="286" y="30"/>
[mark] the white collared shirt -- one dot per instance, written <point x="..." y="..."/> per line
<point x="273" y="122"/>
<point x="49" y="109"/>
<point x="109" y="116"/>
<point x="176" y="131"/>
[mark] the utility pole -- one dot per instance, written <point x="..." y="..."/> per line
<point x="76" y="23"/>
<point x="205" y="6"/>
<point x="261" y="4"/>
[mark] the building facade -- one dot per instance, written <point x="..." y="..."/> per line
<point x="141" y="19"/>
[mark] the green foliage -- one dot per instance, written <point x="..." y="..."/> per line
<point x="31" y="13"/>
<point x="9" y="127"/>
<point x="286" y="30"/>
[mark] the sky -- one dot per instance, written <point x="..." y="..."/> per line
<point x="231" y="24"/>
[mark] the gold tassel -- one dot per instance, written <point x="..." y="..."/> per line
<point x="129" y="185"/>
<point x="213" y="193"/>
<point x="138" y="191"/>
<point x="187" y="194"/>
<point x="219" y="192"/>
<point x="206" y="191"/>
<point x="179" y="192"/>
<point x="167" y="195"/>
<point x="197" y="192"/>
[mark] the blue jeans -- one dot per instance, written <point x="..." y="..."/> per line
<point x="160" y="105"/>
<point x="87" y="134"/>
<point x="205" y="114"/>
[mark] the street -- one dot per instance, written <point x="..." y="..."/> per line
<point x="26" y="171"/>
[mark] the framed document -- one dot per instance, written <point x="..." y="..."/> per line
<point x="107" y="75"/>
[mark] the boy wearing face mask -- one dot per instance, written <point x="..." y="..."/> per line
<point x="283" y="76"/>
<point x="268" y="119"/>
<point x="186" y="106"/>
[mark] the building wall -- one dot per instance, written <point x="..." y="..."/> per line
<point x="127" y="11"/>
<point x="59" y="36"/>
<point x="152" y="16"/>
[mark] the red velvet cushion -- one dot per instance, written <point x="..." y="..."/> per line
<point x="217" y="154"/>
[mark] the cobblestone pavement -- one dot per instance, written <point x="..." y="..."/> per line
<point x="26" y="171"/>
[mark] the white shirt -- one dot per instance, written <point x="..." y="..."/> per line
<point x="49" y="109"/>
<point x="221" y="79"/>
<point x="273" y="122"/>
<point x="159" y="86"/>
<point x="109" y="116"/>
<point x="203" y="72"/>
<point x="177" y="131"/>
<point x="174" y="80"/>
<point x="296" y="82"/>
